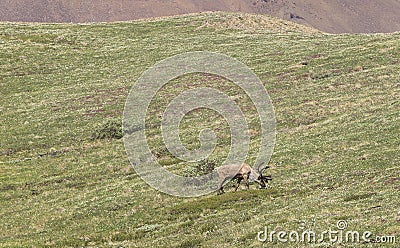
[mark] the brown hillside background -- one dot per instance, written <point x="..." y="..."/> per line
<point x="332" y="16"/>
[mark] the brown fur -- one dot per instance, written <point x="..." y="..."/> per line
<point x="239" y="172"/>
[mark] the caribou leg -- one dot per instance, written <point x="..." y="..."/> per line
<point x="221" y="186"/>
<point x="246" y="180"/>
<point x="238" y="183"/>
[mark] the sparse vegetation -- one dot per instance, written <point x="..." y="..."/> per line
<point x="336" y="155"/>
<point x="110" y="129"/>
<point x="200" y="168"/>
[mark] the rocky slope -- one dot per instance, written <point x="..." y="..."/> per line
<point x="333" y="16"/>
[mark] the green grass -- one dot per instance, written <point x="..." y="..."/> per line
<point x="336" y="99"/>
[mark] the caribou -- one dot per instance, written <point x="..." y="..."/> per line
<point x="241" y="172"/>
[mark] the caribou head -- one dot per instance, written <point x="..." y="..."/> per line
<point x="258" y="176"/>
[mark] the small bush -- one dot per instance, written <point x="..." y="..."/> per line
<point x="201" y="168"/>
<point x="111" y="129"/>
<point x="205" y="167"/>
<point x="190" y="243"/>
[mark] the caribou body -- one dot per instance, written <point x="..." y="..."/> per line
<point x="240" y="172"/>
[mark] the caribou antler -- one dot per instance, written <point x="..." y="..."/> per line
<point x="262" y="167"/>
<point x="267" y="178"/>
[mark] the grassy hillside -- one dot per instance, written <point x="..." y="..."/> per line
<point x="337" y="105"/>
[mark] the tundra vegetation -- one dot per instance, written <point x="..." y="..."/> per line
<point x="65" y="180"/>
